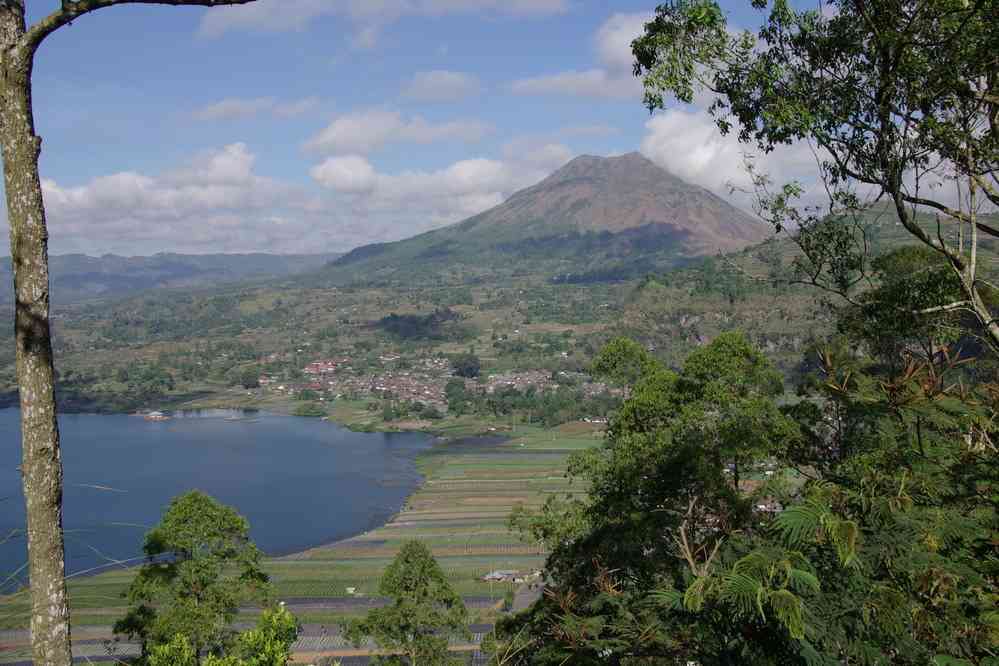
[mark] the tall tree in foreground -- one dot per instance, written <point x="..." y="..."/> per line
<point x="665" y="506"/>
<point x="202" y="565"/>
<point x="900" y="99"/>
<point x="41" y="466"/>
<point x="424" y="612"/>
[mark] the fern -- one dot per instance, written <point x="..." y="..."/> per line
<point x="788" y="609"/>
<point x="671" y="599"/>
<point x="696" y="594"/>
<point x="745" y="593"/>
<point x="799" y="523"/>
<point x="803" y="581"/>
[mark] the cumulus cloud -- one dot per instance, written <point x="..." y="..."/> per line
<point x="216" y="202"/>
<point x="233" y="108"/>
<point x="441" y="86"/>
<point x="611" y="79"/>
<point x="367" y="15"/>
<point x="689" y="145"/>
<point x="364" y="132"/>
<point x="347" y="173"/>
<point x="402" y="204"/>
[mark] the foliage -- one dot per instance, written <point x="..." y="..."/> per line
<point x="441" y="324"/>
<point x="201" y="566"/>
<point x="663" y="499"/>
<point x="899" y="98"/>
<point x="249" y="377"/>
<point x="885" y="319"/>
<point x="269" y="644"/>
<point x="467" y="365"/>
<point x="623" y="361"/>
<point x="310" y="409"/>
<point x="884" y="554"/>
<point x="423" y="614"/>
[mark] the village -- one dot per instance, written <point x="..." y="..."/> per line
<point x="421" y="380"/>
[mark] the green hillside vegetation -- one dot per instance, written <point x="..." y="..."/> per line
<point x="189" y="348"/>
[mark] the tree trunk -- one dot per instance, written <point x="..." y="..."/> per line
<point x="41" y="464"/>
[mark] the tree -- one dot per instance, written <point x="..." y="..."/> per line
<point x="885" y="318"/>
<point x="269" y="644"/>
<point x="423" y="614"/>
<point x="249" y="377"/>
<point x="467" y="365"/>
<point x="201" y="566"/>
<point x="664" y="500"/>
<point x="41" y="466"/>
<point x="900" y="99"/>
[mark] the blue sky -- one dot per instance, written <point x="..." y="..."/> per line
<point x="319" y="125"/>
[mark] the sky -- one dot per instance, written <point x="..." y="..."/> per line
<point x="305" y="126"/>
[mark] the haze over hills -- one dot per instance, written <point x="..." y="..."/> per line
<point x="76" y="277"/>
<point x="596" y="216"/>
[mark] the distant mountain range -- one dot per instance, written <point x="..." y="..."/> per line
<point x="77" y="277"/>
<point x="595" y="218"/>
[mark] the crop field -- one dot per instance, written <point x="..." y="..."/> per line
<point x="471" y="486"/>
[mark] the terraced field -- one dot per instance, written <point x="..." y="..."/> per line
<point x="471" y="485"/>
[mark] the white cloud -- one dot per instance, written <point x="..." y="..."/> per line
<point x="689" y="145"/>
<point x="234" y="107"/>
<point x="442" y="85"/>
<point x="367" y="15"/>
<point x="612" y="79"/>
<point x="399" y="205"/>
<point x="214" y="203"/>
<point x="614" y="40"/>
<point x="537" y="153"/>
<point x="363" y="132"/>
<point x="348" y="173"/>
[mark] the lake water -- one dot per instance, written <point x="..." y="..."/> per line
<point x="300" y="482"/>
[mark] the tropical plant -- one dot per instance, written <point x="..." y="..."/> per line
<point x="422" y="615"/>
<point x="201" y="566"/>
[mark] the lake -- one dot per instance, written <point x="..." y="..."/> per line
<point x="300" y="482"/>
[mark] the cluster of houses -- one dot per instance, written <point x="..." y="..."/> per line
<point x="424" y="383"/>
<point x="540" y="380"/>
<point x="421" y="380"/>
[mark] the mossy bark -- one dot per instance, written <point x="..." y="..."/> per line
<point x="41" y="464"/>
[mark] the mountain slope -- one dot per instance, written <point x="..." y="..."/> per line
<point x="594" y="216"/>
<point x="77" y="277"/>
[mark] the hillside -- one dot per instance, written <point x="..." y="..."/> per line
<point x="596" y="216"/>
<point x="78" y="277"/>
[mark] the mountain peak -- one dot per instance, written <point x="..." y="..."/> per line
<point x="593" y="210"/>
<point x="631" y="167"/>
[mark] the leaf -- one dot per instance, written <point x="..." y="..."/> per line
<point x="696" y="594"/>
<point x="788" y="609"/>
<point x="799" y="522"/>
<point x="801" y="580"/>
<point x="745" y="592"/>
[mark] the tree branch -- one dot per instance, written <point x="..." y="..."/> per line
<point x="957" y="305"/>
<point x="950" y="212"/>
<point x="73" y="9"/>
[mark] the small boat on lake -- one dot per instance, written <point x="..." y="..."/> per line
<point x="156" y="416"/>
